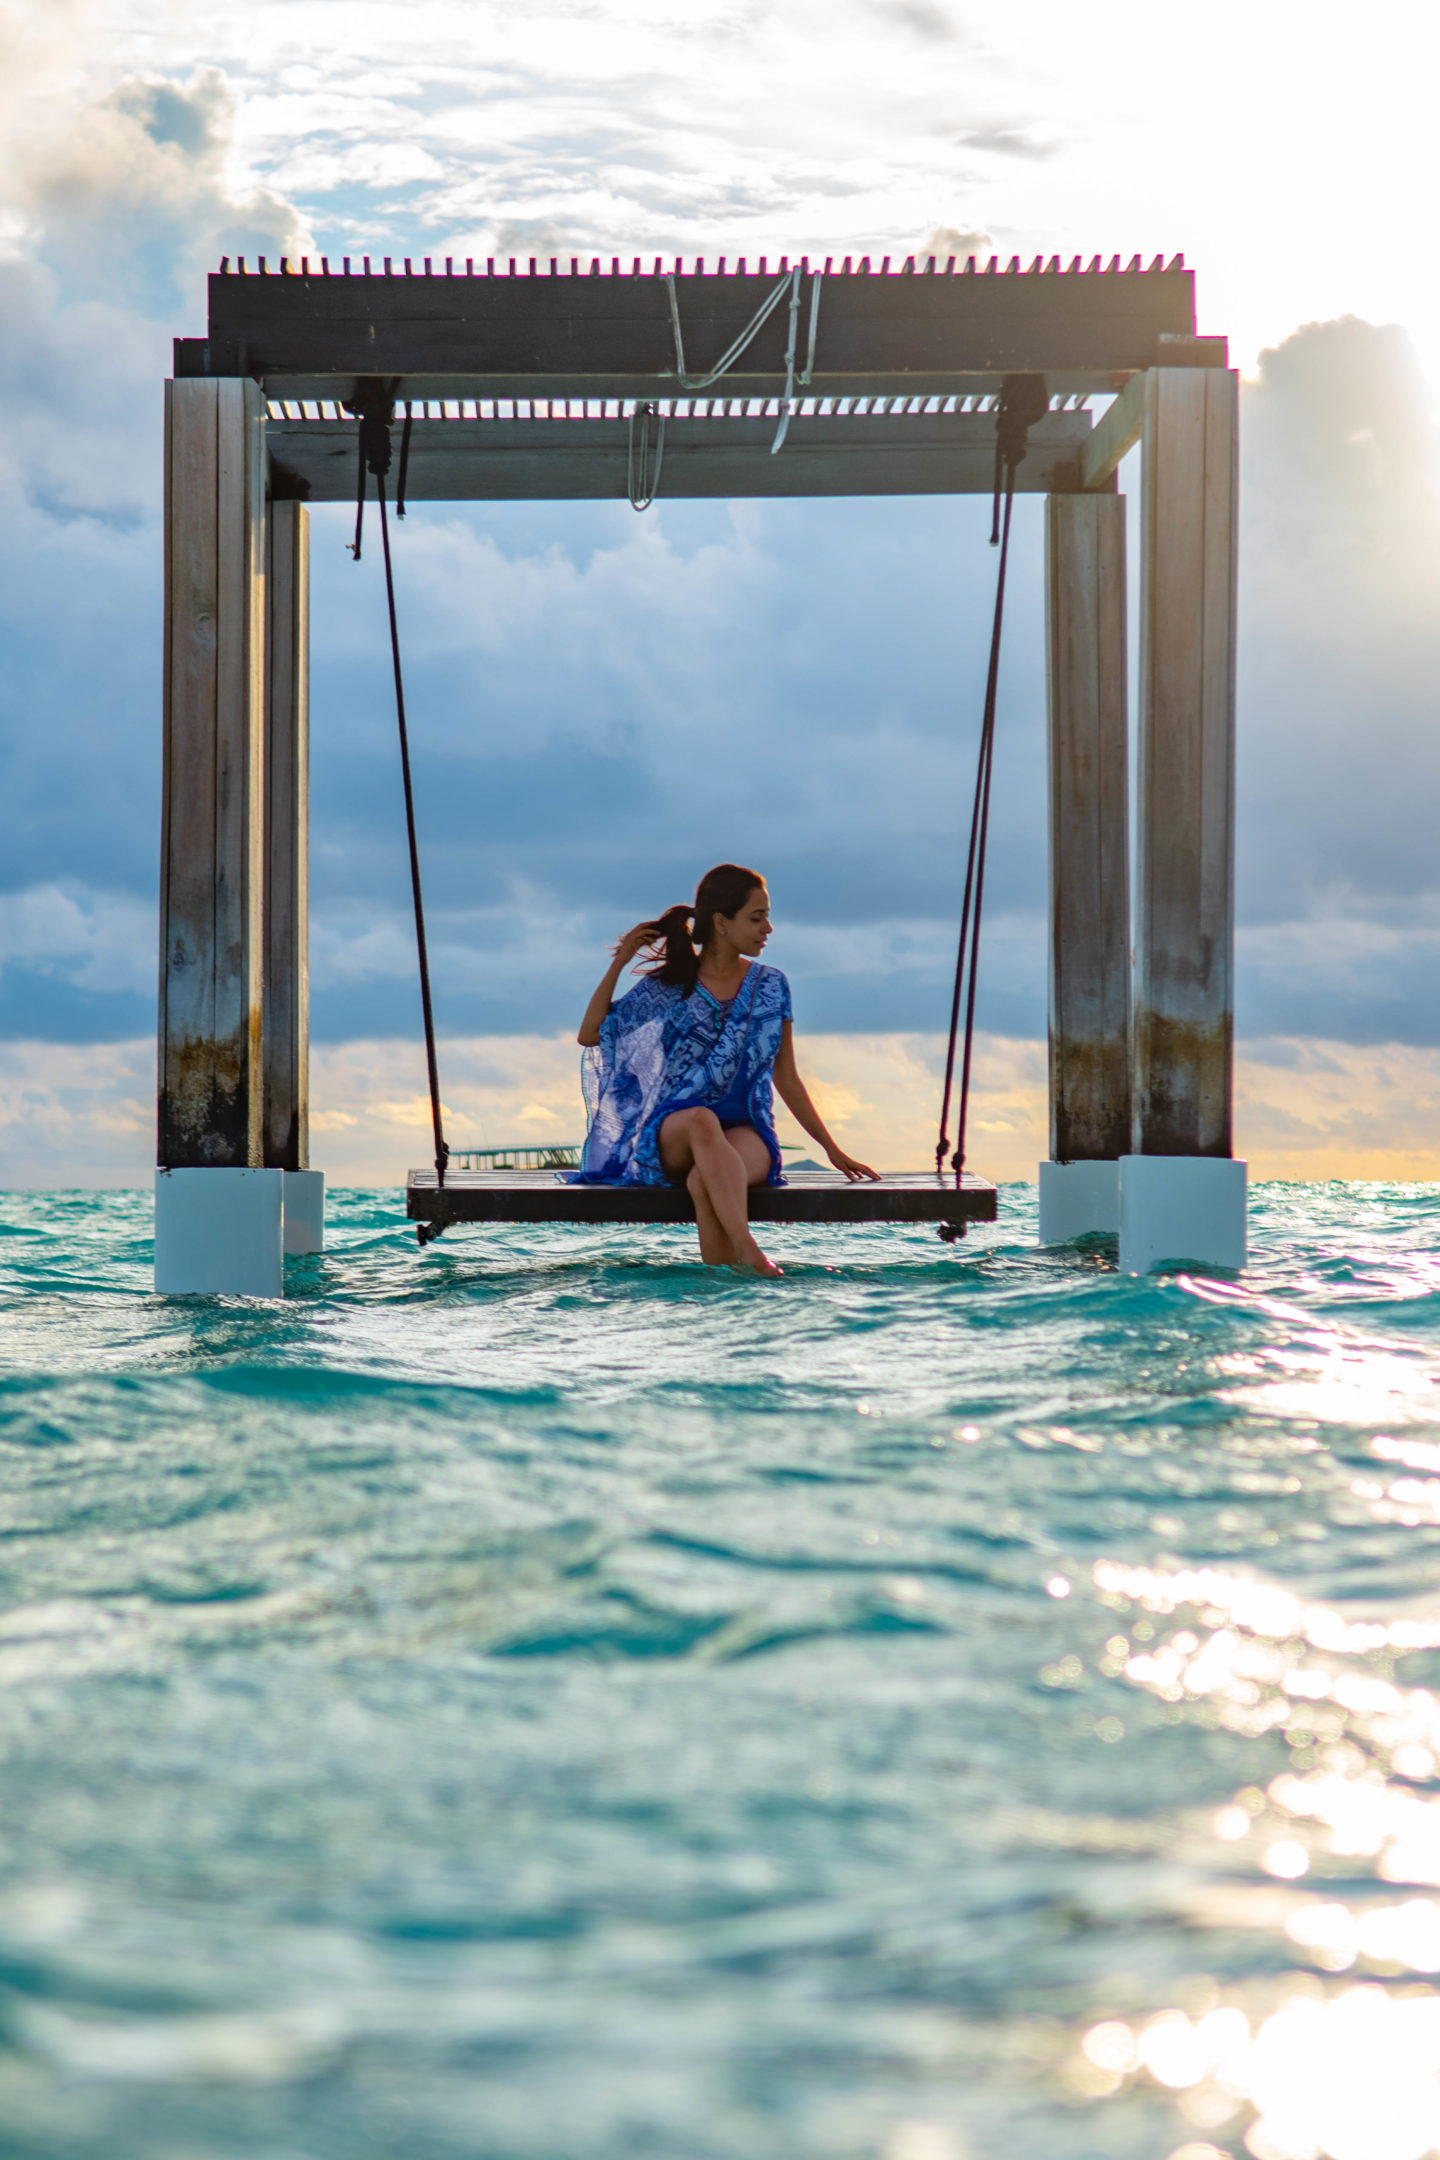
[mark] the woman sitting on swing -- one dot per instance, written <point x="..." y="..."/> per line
<point x="678" y="1072"/>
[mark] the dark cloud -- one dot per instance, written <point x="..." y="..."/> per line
<point x="943" y="242"/>
<point x="1005" y="142"/>
<point x="923" y="17"/>
<point x="40" y="1005"/>
<point x="540" y="237"/>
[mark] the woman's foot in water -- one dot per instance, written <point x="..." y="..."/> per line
<point x="751" y="1261"/>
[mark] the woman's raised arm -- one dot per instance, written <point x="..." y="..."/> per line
<point x="796" y="1097"/>
<point x="625" y="950"/>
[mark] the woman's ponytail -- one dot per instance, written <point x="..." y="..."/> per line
<point x="679" y="961"/>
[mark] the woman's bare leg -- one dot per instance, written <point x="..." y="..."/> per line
<point x="728" y="1163"/>
<point x="695" y="1143"/>
<point x="716" y="1249"/>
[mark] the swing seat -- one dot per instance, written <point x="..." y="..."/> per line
<point x="809" y="1196"/>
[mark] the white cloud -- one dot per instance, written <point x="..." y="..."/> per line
<point x="99" y="939"/>
<point x="136" y="202"/>
<point x="76" y="1114"/>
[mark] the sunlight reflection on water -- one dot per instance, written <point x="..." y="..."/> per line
<point x="1355" y="2076"/>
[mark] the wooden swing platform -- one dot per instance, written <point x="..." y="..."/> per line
<point x="809" y="1196"/>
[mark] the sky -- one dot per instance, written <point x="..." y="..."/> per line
<point x="604" y="703"/>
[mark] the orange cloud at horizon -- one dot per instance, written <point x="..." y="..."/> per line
<point x="81" y="1115"/>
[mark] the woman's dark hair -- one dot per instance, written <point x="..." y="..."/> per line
<point x="683" y="931"/>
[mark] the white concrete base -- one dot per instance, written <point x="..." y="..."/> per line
<point x="219" y="1233"/>
<point x="1077" y="1199"/>
<point x="304" y="1211"/>
<point x="1181" y="1210"/>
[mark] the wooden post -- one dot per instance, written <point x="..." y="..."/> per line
<point x="1184" y="1004"/>
<point x="1089" y="828"/>
<point x="212" y="830"/>
<point x="287" y="811"/>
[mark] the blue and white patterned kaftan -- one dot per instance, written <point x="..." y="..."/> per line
<point x="661" y="1051"/>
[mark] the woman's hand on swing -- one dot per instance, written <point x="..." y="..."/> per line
<point x="854" y="1171"/>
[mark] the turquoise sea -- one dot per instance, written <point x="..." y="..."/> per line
<point x="532" y="1700"/>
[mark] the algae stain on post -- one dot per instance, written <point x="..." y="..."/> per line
<point x="1089" y="831"/>
<point x="210" y="1068"/>
<point x="287" y="814"/>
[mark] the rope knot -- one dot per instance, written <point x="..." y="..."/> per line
<point x="1024" y="399"/>
<point x="375" y="439"/>
<point x="374" y="411"/>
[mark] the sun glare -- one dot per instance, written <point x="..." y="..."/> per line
<point x="1316" y="2075"/>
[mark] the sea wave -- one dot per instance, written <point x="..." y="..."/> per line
<point x="537" y="1698"/>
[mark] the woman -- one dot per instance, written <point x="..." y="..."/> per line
<point x="678" y="1072"/>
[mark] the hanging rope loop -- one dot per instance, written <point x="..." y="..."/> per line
<point x="1023" y="398"/>
<point x="376" y="415"/>
<point x="789" y="282"/>
<point x="738" y="345"/>
<point x="787" y="403"/>
<point x="642" y="478"/>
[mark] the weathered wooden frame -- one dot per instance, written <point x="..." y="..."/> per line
<point x="1140" y="1056"/>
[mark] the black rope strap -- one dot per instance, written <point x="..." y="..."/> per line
<point x="1023" y="400"/>
<point x="375" y="458"/>
<point x="354" y="545"/>
<point x="404" y="461"/>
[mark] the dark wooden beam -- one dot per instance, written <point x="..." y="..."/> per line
<point x="611" y="335"/>
<point x="569" y="460"/>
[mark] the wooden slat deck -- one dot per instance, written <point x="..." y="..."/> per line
<point x="810" y="1196"/>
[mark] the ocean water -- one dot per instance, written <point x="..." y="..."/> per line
<point x="532" y="1700"/>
